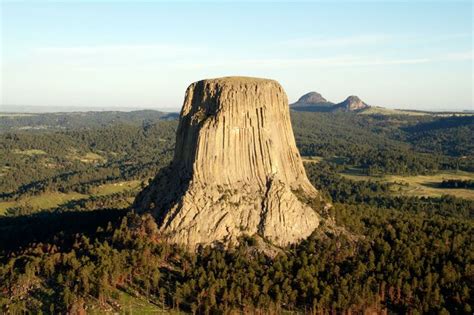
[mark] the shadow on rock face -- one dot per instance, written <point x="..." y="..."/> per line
<point x="165" y="190"/>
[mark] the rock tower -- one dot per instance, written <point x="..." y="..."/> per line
<point x="236" y="169"/>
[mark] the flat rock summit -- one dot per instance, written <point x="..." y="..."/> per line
<point x="236" y="169"/>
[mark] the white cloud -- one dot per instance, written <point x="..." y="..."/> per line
<point x="337" y="61"/>
<point x="159" y="50"/>
<point x="367" y="39"/>
<point x="459" y="56"/>
<point x="323" y="42"/>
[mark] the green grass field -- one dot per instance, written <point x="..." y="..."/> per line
<point x="4" y="170"/>
<point x="113" y="188"/>
<point x="388" y="111"/>
<point x="16" y="115"/>
<point x="91" y="157"/>
<point x="43" y="201"/>
<point x="128" y="304"/>
<point x="88" y="157"/>
<point x="316" y="159"/>
<point x="312" y="159"/>
<point x="419" y="185"/>
<point x="376" y="110"/>
<point x="54" y="199"/>
<point x="30" y="152"/>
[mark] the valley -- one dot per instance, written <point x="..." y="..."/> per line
<point x="72" y="185"/>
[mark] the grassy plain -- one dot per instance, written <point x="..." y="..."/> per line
<point x="312" y="159"/>
<point x="375" y="110"/>
<point x="128" y="304"/>
<point x="419" y="185"/>
<point x="16" y="114"/>
<point x="43" y="201"/>
<point x="54" y="199"/>
<point x="30" y="152"/>
<point x="113" y="188"/>
<point x="388" y="111"/>
<point x="88" y="157"/>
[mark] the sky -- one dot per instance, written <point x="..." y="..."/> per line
<point x="143" y="54"/>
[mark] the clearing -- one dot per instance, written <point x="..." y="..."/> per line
<point x="30" y="152"/>
<point x="113" y="188"/>
<point x="16" y="115"/>
<point x="374" y="110"/>
<point x="128" y="304"/>
<point x="419" y="185"/>
<point x="312" y="159"/>
<point x="54" y="199"/>
<point x="43" y="201"/>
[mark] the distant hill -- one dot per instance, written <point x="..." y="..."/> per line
<point x="350" y="104"/>
<point x="315" y="102"/>
<point x="312" y="102"/>
<point x="311" y="98"/>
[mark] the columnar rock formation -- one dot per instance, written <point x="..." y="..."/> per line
<point x="236" y="169"/>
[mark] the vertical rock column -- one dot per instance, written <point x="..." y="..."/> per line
<point x="236" y="169"/>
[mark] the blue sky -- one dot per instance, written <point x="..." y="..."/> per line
<point x="144" y="54"/>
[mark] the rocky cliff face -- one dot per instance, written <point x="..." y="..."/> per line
<point x="236" y="169"/>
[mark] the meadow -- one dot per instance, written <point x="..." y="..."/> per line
<point x="418" y="185"/>
<point x="55" y="200"/>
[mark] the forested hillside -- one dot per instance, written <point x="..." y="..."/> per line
<point x="68" y="160"/>
<point x="77" y="120"/>
<point x="88" y="252"/>
<point x="388" y="144"/>
<point x="378" y="144"/>
<point x="95" y="267"/>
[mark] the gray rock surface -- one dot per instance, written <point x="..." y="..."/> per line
<point x="236" y="169"/>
